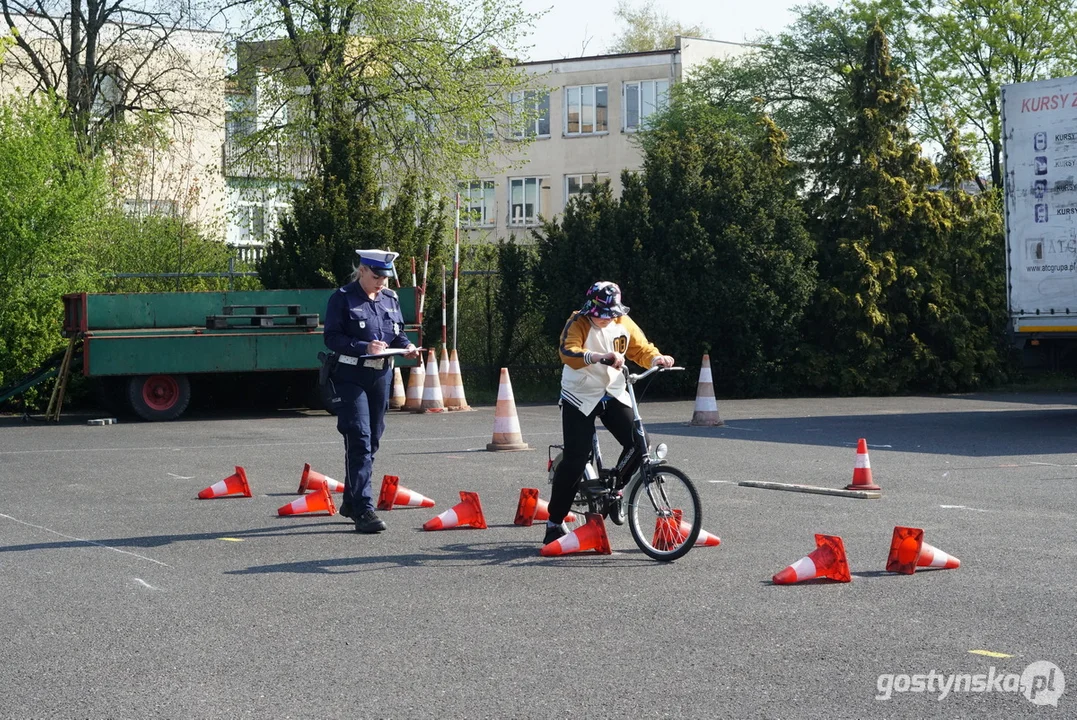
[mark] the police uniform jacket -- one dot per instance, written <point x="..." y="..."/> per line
<point x="353" y="320"/>
<point x="585" y="381"/>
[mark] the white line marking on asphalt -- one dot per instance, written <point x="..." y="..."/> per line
<point x="721" y="481"/>
<point x="961" y="507"/>
<point x="1051" y="464"/>
<point x="83" y="540"/>
<point x="181" y="477"/>
<point x="744" y="429"/>
<point x="145" y="584"/>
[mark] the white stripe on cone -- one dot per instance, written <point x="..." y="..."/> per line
<point x="507" y="425"/>
<point x="569" y="543"/>
<point x="804" y="568"/>
<point x="705" y="374"/>
<point x="862" y="461"/>
<point x="706" y="404"/>
<point x="219" y="488"/>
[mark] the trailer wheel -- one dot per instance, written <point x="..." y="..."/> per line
<point x="159" y="397"/>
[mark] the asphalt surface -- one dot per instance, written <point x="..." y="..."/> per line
<point x="124" y="596"/>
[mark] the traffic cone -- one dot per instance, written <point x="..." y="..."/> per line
<point x="392" y="493"/>
<point x="416" y="381"/>
<point x="862" y="469"/>
<point x="671" y="532"/>
<point x="318" y="501"/>
<point x="397" y="397"/>
<point x="908" y="551"/>
<point x="466" y="512"/>
<point x="827" y="560"/>
<point x="234" y="483"/>
<point x="432" y="398"/>
<point x="312" y="480"/>
<point x="454" y="398"/>
<point x="589" y="536"/>
<point x="531" y="509"/>
<point x="706" y="410"/>
<point x="506" y="425"/>
<point x="443" y="371"/>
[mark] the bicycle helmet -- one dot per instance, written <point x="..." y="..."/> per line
<point x="604" y="301"/>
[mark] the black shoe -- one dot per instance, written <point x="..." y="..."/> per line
<point x="346" y="510"/>
<point x="553" y="533"/>
<point x="369" y="522"/>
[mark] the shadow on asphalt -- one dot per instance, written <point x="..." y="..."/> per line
<point x="972" y="434"/>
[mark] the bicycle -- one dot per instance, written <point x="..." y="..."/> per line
<point x="659" y="501"/>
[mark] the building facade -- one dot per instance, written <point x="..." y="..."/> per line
<point x="586" y="114"/>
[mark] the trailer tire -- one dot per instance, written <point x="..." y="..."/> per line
<point x="159" y="397"/>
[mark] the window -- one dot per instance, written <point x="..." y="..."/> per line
<point x="477" y="208"/>
<point x="531" y="114"/>
<point x="642" y="100"/>
<point x="254" y="223"/>
<point x="526" y="200"/>
<point x="582" y="184"/>
<point x="586" y="109"/>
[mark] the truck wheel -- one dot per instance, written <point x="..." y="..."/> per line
<point x="159" y="397"/>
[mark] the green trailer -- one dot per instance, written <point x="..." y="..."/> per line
<point x="147" y="345"/>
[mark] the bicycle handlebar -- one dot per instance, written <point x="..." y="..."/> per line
<point x="632" y="379"/>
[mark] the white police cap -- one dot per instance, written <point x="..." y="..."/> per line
<point x="380" y="261"/>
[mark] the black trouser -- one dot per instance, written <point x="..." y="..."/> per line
<point x="362" y="401"/>
<point x="578" y="429"/>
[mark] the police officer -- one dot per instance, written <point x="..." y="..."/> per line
<point x="362" y="319"/>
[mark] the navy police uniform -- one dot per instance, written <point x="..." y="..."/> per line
<point x="361" y="386"/>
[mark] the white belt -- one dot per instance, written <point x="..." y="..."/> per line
<point x="348" y="359"/>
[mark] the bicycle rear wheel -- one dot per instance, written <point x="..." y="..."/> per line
<point x="664" y="514"/>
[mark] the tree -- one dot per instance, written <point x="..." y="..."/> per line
<point x="341" y="211"/>
<point x="891" y="315"/>
<point x="961" y="52"/>
<point x="648" y="28"/>
<point x="111" y="59"/>
<point x="49" y="201"/>
<point x="430" y="80"/>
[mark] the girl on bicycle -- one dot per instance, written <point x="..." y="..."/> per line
<point x="594" y="344"/>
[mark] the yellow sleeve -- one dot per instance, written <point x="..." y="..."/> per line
<point x="572" y="339"/>
<point x="640" y="350"/>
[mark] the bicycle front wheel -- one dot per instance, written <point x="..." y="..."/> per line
<point x="664" y="513"/>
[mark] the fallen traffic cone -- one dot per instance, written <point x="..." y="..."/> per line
<point x="532" y="509"/>
<point x="589" y="536"/>
<point x="454" y="388"/>
<point x="506" y="425"/>
<point x="234" y="483"/>
<point x="862" y="469"/>
<point x="416" y="381"/>
<point x="669" y="532"/>
<point x="312" y="480"/>
<point x="392" y="493"/>
<point x="318" y="501"/>
<point x="908" y="551"/>
<point x="827" y="560"/>
<point x="466" y="512"/>
<point x="432" y="399"/>
<point x="397" y="397"/>
<point x="706" y="410"/>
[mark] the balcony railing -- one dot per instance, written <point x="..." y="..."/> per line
<point x="267" y="161"/>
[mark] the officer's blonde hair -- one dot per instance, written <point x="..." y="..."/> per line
<point x="355" y="272"/>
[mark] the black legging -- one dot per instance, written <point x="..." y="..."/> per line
<point x="578" y="430"/>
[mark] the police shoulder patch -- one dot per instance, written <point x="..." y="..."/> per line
<point x="389" y="293"/>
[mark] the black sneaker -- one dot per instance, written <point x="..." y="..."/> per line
<point x="369" y="522"/>
<point x="553" y="533"/>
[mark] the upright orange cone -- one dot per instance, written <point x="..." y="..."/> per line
<point x="397" y="397"/>
<point x="827" y="560"/>
<point x="318" y="501"/>
<point x="507" y="434"/>
<point x="234" y="483"/>
<point x="706" y="409"/>
<point x="432" y="398"/>
<point x="312" y="480"/>
<point x="908" y="551"/>
<point x="862" y="469"/>
<point x="393" y="493"/>
<point x="466" y="512"/>
<point x="443" y="371"/>
<point x="531" y="509"/>
<point x="416" y="380"/>
<point x="454" y="398"/>
<point x="589" y="536"/>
